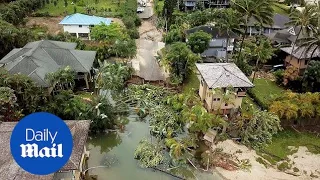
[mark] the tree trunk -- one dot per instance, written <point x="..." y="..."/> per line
<point x="294" y="43"/>
<point x="256" y="69"/>
<point x="242" y="40"/>
<point x="227" y="60"/>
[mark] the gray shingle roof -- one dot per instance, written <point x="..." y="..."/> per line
<point x="301" y="53"/>
<point x="214" y="31"/>
<point x="9" y="169"/>
<point x="38" y="58"/>
<point x="279" y="22"/>
<point x="217" y="75"/>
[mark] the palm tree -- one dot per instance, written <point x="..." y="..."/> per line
<point x="311" y="43"/>
<point x="259" y="10"/>
<point x="262" y="50"/>
<point x="229" y="23"/>
<point x="304" y="19"/>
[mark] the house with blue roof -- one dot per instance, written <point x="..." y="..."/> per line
<point x="79" y="24"/>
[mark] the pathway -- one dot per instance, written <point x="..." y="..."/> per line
<point x="145" y="64"/>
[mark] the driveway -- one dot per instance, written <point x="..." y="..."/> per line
<point x="148" y="11"/>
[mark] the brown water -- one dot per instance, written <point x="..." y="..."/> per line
<point x="115" y="151"/>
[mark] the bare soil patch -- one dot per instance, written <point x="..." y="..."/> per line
<point x="52" y="23"/>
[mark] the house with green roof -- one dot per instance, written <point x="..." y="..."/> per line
<point x="79" y="24"/>
<point x="36" y="59"/>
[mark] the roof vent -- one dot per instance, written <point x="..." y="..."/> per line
<point x="227" y="74"/>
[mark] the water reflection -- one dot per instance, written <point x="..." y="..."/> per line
<point x="105" y="142"/>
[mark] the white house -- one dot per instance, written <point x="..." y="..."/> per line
<point x="79" y="24"/>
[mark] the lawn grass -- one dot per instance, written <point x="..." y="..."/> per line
<point x="281" y="141"/>
<point x="59" y="10"/>
<point x="281" y="9"/>
<point x="191" y="83"/>
<point x="264" y="92"/>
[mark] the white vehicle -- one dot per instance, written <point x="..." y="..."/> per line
<point x="140" y="10"/>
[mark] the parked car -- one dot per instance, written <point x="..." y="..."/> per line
<point x="278" y="67"/>
<point x="140" y="10"/>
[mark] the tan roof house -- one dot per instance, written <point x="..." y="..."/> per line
<point x="300" y="57"/>
<point x="222" y="86"/>
<point x="10" y="170"/>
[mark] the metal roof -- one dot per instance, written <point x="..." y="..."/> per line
<point x="218" y="75"/>
<point x="82" y="19"/>
<point x="38" y="58"/>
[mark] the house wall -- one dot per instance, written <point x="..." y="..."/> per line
<point x="214" y="101"/>
<point x="222" y="42"/>
<point x="298" y="63"/>
<point x="85" y="29"/>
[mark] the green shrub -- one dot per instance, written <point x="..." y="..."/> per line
<point x="129" y="22"/>
<point x="284" y="166"/>
<point x="257" y="100"/>
<point x="41" y="14"/>
<point x="133" y="33"/>
<point x="263" y="162"/>
<point x="279" y="76"/>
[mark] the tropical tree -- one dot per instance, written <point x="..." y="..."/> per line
<point x="311" y="76"/>
<point x="302" y="19"/>
<point x="260" y="10"/>
<point x="199" y="41"/>
<point x="258" y="129"/>
<point x="290" y="74"/>
<point x="180" y="61"/>
<point x="311" y="43"/>
<point x="174" y="35"/>
<point x="261" y="50"/>
<point x="62" y="79"/>
<point x="228" y="21"/>
<point x="8" y="105"/>
<point x="111" y="32"/>
<point x="112" y="76"/>
<point x="168" y="9"/>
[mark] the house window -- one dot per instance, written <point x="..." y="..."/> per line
<point x="91" y="26"/>
<point x="214" y="99"/>
<point x="80" y="26"/>
<point x="305" y="62"/>
<point x="226" y="104"/>
<point x="298" y="61"/>
<point x="201" y="82"/>
<point x="218" y="99"/>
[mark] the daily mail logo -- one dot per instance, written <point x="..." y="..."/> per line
<point x="41" y="143"/>
<point x="32" y="150"/>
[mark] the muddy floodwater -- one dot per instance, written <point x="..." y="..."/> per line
<point x="113" y="155"/>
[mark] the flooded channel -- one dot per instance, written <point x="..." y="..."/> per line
<point x="113" y="154"/>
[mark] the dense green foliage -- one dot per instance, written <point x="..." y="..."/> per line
<point x="150" y="155"/>
<point x="29" y="97"/>
<point x="11" y="37"/>
<point x="16" y="11"/>
<point x="113" y="76"/>
<point x="179" y="60"/>
<point x="112" y="32"/>
<point x="8" y="105"/>
<point x="293" y="107"/>
<point x="257" y="128"/>
<point x="311" y="76"/>
<point x="114" y="41"/>
<point x="199" y="41"/>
